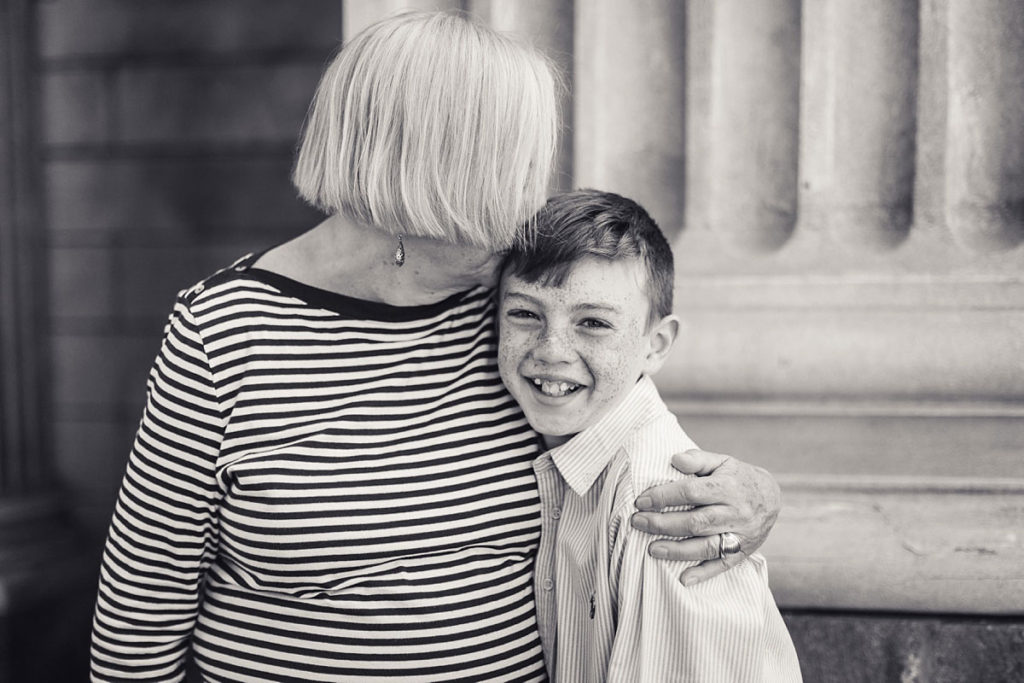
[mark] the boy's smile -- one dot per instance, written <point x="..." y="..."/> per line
<point x="569" y="354"/>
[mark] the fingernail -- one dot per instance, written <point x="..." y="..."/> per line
<point x="658" y="552"/>
<point x="640" y="522"/>
<point x="644" y="503"/>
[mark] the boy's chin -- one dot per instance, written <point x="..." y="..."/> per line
<point x="554" y="440"/>
<point x="552" y="433"/>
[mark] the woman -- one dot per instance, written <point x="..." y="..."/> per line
<point x="329" y="481"/>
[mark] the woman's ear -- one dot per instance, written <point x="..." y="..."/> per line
<point x="661" y="337"/>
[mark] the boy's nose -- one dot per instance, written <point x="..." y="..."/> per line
<point x="553" y="347"/>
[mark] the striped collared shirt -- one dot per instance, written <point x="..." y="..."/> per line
<point x="607" y="610"/>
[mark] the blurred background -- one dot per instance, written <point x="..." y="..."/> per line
<point x="843" y="183"/>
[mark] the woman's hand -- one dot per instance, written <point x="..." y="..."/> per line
<point x="727" y="495"/>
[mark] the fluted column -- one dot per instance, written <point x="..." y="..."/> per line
<point x="984" y="144"/>
<point x="859" y="93"/>
<point x="754" y="116"/>
<point x="630" y="102"/>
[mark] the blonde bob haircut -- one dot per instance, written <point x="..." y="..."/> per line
<point x="430" y="124"/>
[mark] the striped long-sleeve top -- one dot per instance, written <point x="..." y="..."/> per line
<point x="323" y="489"/>
<point x="610" y="612"/>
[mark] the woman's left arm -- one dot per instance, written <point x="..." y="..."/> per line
<point x="727" y="495"/>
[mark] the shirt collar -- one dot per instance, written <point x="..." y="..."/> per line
<point x="581" y="459"/>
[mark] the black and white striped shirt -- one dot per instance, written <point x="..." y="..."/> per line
<point x="323" y="489"/>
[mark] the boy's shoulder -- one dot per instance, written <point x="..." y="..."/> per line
<point x="645" y="454"/>
<point x="647" y="451"/>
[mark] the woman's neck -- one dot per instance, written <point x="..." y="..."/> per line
<point x="346" y="257"/>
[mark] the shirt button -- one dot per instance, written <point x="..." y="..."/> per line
<point x="556" y="513"/>
<point x="199" y="288"/>
<point x="240" y="269"/>
<point x="547" y="584"/>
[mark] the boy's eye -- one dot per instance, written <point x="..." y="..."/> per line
<point x="520" y="314"/>
<point x="595" y="324"/>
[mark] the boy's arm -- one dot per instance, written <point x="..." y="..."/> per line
<point x="718" y="630"/>
<point x="727" y="495"/>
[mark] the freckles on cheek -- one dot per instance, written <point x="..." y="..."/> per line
<point x="503" y="355"/>
<point x="613" y="361"/>
<point x="509" y="352"/>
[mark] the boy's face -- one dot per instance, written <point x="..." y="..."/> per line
<point x="569" y="354"/>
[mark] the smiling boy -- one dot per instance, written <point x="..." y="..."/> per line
<point x="585" y="319"/>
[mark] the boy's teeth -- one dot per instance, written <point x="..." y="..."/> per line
<point x="554" y="388"/>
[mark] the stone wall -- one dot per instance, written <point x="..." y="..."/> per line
<point x="168" y="132"/>
<point x="151" y="144"/>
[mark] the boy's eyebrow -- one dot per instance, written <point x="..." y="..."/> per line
<point x="509" y="295"/>
<point x="598" y="307"/>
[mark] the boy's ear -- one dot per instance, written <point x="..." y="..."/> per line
<point x="661" y="337"/>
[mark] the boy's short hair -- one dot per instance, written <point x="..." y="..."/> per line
<point x="589" y="222"/>
<point x="431" y="124"/>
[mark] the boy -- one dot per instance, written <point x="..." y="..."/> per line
<point x="585" y="318"/>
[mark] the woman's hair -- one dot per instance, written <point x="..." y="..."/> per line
<point x="431" y="124"/>
<point x="587" y="222"/>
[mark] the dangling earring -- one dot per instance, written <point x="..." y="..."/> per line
<point x="400" y="253"/>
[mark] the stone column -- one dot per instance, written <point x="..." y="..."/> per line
<point x="859" y="120"/>
<point x="630" y="103"/>
<point x="984" y="145"/>
<point x="754" y="122"/>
